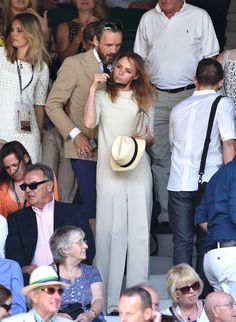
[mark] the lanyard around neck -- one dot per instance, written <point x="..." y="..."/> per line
<point x="20" y="77"/>
<point x="16" y="196"/>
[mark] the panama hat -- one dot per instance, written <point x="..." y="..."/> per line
<point x="43" y="276"/>
<point x="126" y="152"/>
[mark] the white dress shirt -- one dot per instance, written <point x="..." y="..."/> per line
<point x="188" y="127"/>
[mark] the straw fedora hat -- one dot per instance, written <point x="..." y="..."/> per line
<point x="43" y="276"/>
<point x="126" y="152"/>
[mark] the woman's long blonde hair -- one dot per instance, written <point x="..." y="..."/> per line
<point x="7" y="15"/>
<point x="143" y="90"/>
<point x="37" y="52"/>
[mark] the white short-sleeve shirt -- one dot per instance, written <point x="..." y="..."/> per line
<point x="187" y="129"/>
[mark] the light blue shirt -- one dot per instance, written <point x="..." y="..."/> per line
<point x="11" y="277"/>
<point x="38" y="317"/>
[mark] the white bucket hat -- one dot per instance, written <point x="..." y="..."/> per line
<point x="126" y="152"/>
<point x="43" y="276"/>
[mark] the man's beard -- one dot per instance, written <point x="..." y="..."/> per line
<point x="104" y="59"/>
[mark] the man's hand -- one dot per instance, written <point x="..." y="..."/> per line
<point x="83" y="147"/>
<point x="28" y="269"/>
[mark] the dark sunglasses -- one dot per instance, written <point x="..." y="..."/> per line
<point x="53" y="290"/>
<point x="32" y="185"/>
<point x="113" y="26"/>
<point x="7" y="307"/>
<point x="186" y="289"/>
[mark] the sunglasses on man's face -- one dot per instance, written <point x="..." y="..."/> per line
<point x="7" y="307"/>
<point x="32" y="185"/>
<point x="53" y="290"/>
<point x="186" y="289"/>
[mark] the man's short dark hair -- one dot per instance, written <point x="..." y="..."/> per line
<point x="209" y="72"/>
<point x="47" y="171"/>
<point x="145" y="297"/>
<point x="110" y="24"/>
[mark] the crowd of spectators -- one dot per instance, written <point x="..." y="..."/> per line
<point x="91" y="136"/>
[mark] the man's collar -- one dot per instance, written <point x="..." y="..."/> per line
<point x="39" y="319"/>
<point x="158" y="8"/>
<point x="109" y="66"/>
<point x="96" y="55"/>
<point x="204" y="92"/>
<point x="37" y="210"/>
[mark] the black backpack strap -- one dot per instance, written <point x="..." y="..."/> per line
<point x="208" y="138"/>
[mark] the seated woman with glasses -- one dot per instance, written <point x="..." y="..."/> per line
<point x="14" y="160"/>
<point x="184" y="287"/>
<point x="5" y="302"/>
<point x="83" y="299"/>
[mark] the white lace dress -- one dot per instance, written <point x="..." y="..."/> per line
<point x="34" y="94"/>
<point x="229" y="66"/>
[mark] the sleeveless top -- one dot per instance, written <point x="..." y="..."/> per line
<point x="74" y="27"/>
<point x="229" y="67"/>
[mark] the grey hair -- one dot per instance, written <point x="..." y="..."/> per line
<point x="62" y="240"/>
<point x="47" y="171"/>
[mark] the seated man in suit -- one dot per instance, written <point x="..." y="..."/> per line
<point x="45" y="291"/>
<point x="31" y="228"/>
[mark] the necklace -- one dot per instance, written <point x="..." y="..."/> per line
<point x="186" y="316"/>
<point x="13" y="186"/>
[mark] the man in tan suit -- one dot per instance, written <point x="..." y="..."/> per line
<point x="71" y="88"/>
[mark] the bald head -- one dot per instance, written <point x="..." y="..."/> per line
<point x="154" y="295"/>
<point x="219" y="307"/>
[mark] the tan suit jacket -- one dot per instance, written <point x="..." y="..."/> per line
<point x="71" y="88"/>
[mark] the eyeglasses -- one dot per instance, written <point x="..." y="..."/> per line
<point x="32" y="185"/>
<point x="231" y="305"/>
<point x="7" y="307"/>
<point x="53" y="290"/>
<point x="186" y="289"/>
<point x="156" y="306"/>
<point x="113" y="26"/>
<point x="81" y="242"/>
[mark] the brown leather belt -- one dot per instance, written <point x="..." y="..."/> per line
<point x="176" y="90"/>
<point x="228" y="243"/>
